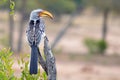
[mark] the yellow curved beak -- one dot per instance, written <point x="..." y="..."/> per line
<point x="45" y="13"/>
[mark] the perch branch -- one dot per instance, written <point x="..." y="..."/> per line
<point x="50" y="61"/>
<point x="42" y="62"/>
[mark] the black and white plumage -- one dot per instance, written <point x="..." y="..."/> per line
<point x="35" y="33"/>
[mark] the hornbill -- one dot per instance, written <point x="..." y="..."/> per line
<point x="35" y="33"/>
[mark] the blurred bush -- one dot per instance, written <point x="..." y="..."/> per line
<point x="95" y="46"/>
<point x="7" y="72"/>
<point x="58" y="7"/>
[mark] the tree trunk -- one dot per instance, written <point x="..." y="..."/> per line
<point x="64" y="30"/>
<point x="22" y="22"/>
<point x="11" y="30"/>
<point x="105" y="28"/>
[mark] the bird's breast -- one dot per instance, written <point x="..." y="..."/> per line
<point x="34" y="36"/>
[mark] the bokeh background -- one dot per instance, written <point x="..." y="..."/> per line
<point x="84" y="35"/>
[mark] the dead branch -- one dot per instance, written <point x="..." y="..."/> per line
<point x="49" y="64"/>
<point x="50" y="61"/>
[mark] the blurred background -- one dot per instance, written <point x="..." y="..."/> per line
<point x="84" y="35"/>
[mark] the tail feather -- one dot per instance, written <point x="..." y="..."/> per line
<point x="34" y="59"/>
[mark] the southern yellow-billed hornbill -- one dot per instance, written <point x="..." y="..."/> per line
<point x="35" y="33"/>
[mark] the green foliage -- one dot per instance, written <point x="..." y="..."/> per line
<point x="102" y="45"/>
<point x="5" y="3"/>
<point x="58" y="6"/>
<point x="78" y="2"/>
<point x="30" y="5"/>
<point x="7" y="73"/>
<point x="95" y="46"/>
<point x="116" y="6"/>
<point x="23" y="63"/>
<point x="2" y="1"/>
<point x="102" y="4"/>
<point x="12" y="7"/>
<point x="113" y="5"/>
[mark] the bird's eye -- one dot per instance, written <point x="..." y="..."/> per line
<point x="38" y="21"/>
<point x="31" y="22"/>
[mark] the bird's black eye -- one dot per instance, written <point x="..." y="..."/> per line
<point x="38" y="21"/>
<point x="31" y="22"/>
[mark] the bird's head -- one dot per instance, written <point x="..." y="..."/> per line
<point x="39" y="13"/>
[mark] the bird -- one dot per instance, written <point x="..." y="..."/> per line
<point x="35" y="33"/>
